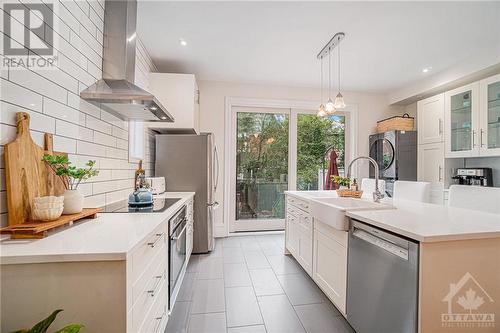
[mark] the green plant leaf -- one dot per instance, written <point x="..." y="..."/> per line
<point x="42" y="326"/>
<point x="72" y="328"/>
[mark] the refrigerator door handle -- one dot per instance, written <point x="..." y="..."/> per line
<point x="216" y="153"/>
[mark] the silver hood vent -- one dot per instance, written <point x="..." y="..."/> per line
<point x="116" y="92"/>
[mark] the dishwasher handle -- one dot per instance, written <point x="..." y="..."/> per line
<point x="381" y="242"/>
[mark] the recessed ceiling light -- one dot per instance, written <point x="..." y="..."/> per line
<point x="183" y="42"/>
<point x="426" y="69"/>
<point x="164" y="117"/>
<point x="153" y="108"/>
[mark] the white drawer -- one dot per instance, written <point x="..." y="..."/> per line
<point x="298" y="203"/>
<point x="306" y="221"/>
<point x="146" y="251"/>
<point x="153" y="290"/>
<point x="156" y="319"/>
<point x="148" y="278"/>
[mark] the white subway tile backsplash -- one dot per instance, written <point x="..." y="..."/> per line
<point x="7" y="133"/>
<point x="35" y="82"/>
<point x="52" y="99"/>
<point x="116" y="153"/>
<point x="76" y="102"/>
<point x="120" y="133"/>
<point x="60" y="111"/>
<point x="118" y="195"/>
<point x="98" y="125"/>
<point x="111" y="186"/>
<point x="85" y="189"/>
<point x="38" y="121"/>
<point x="18" y="95"/>
<point x="64" y="145"/>
<point x="122" y="174"/>
<point x="95" y="201"/>
<point x="91" y="149"/>
<point x="104" y="139"/>
<point x="74" y="131"/>
<point x="122" y="144"/>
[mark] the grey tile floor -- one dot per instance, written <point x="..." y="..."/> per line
<point x="247" y="285"/>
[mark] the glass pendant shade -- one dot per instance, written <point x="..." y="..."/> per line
<point x="339" y="102"/>
<point x="329" y="107"/>
<point x="321" y="111"/>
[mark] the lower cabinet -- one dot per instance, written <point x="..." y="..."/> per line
<point x="189" y="229"/>
<point x="299" y="233"/>
<point x="330" y="263"/>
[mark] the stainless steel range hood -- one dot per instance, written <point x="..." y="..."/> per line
<point x="116" y="92"/>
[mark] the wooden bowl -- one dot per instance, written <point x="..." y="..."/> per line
<point x="347" y="193"/>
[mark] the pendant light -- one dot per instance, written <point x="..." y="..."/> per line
<point x="329" y="107"/>
<point x="321" y="109"/>
<point x="339" y="99"/>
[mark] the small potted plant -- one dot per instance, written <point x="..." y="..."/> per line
<point x="71" y="177"/>
<point x="343" y="182"/>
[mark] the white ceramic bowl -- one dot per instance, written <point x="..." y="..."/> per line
<point x="49" y="214"/>
<point x="49" y="199"/>
<point x="48" y="205"/>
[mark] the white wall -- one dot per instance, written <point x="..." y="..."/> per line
<point x="371" y="107"/>
<point x="52" y="99"/>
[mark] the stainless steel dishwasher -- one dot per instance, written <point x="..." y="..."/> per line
<point x="382" y="281"/>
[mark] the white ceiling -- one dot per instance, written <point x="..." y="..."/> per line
<point x="386" y="46"/>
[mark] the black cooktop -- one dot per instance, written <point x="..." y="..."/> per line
<point x="159" y="205"/>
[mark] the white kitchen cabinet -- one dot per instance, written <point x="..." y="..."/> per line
<point x="299" y="232"/>
<point x="489" y="103"/>
<point x="462" y="121"/>
<point x="189" y="229"/>
<point x="430" y="117"/>
<point x="472" y="119"/>
<point x="330" y="263"/>
<point x="180" y="95"/>
<point x="431" y="168"/>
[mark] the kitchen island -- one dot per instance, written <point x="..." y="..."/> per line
<point x="457" y="249"/>
<point x="109" y="273"/>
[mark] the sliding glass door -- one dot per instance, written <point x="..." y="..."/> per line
<point x="274" y="150"/>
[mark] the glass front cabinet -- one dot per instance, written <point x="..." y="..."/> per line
<point x="490" y="116"/>
<point x="472" y="119"/>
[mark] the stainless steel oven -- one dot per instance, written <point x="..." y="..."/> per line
<point x="176" y="252"/>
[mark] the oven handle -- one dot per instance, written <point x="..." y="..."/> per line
<point x="182" y="231"/>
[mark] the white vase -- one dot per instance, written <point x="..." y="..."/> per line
<point x="73" y="202"/>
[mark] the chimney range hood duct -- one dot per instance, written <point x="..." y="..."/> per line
<point x="116" y="92"/>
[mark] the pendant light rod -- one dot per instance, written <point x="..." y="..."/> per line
<point x="336" y="39"/>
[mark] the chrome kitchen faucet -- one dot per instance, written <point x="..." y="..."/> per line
<point x="377" y="195"/>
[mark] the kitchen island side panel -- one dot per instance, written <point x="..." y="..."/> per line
<point x="90" y="293"/>
<point x="460" y="286"/>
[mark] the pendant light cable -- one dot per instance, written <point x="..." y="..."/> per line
<point x="339" y="64"/>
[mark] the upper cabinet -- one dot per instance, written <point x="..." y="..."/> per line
<point x="490" y="116"/>
<point x="430" y="117"/>
<point x="472" y="119"/>
<point x="462" y="121"/>
<point x="180" y="95"/>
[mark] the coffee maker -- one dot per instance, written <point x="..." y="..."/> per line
<point x="473" y="176"/>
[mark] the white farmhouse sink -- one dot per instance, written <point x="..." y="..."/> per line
<point x="331" y="211"/>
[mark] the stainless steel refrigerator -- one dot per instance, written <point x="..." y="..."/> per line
<point x="189" y="163"/>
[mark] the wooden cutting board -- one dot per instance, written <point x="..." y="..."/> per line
<point x="26" y="175"/>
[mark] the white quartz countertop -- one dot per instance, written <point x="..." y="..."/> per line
<point x="423" y="222"/>
<point x="111" y="236"/>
